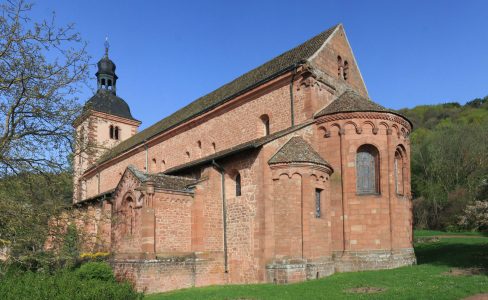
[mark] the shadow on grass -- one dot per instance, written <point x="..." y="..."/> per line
<point x="454" y="254"/>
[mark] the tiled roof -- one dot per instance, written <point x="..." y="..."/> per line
<point x="297" y="150"/>
<point x="351" y="101"/>
<point x="249" y="80"/>
<point x="93" y="199"/>
<point x="163" y="181"/>
<point x="107" y="102"/>
<point x="253" y="144"/>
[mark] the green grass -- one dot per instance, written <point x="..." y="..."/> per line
<point x="427" y="280"/>
<point x="422" y="233"/>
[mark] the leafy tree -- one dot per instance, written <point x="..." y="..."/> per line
<point x="27" y="204"/>
<point x="41" y="68"/>
<point x="449" y="161"/>
<point x="475" y="216"/>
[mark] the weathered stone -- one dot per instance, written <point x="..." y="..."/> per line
<point x="244" y="217"/>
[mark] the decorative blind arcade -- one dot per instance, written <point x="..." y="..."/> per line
<point x="366" y="171"/>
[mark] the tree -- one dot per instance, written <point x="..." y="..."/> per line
<point x="475" y="216"/>
<point x="41" y="68"/>
<point x="449" y="162"/>
<point x="28" y="202"/>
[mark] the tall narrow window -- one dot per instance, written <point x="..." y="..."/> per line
<point x="127" y="217"/>
<point x="265" y="120"/>
<point x="238" y="184"/>
<point x="345" y="70"/>
<point x="111" y="131"/>
<point x="339" y="66"/>
<point x="318" y="211"/>
<point x="367" y="170"/>
<point x="399" y="172"/>
<point x="132" y="219"/>
<point x="116" y="132"/>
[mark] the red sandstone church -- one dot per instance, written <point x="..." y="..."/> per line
<point x="287" y="173"/>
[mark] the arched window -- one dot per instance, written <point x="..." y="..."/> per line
<point x="131" y="220"/>
<point x="127" y="217"/>
<point x="265" y="120"/>
<point x="214" y="147"/>
<point x="111" y="131"/>
<point x="238" y="184"/>
<point x="345" y="70"/>
<point x="116" y="132"/>
<point x="367" y="170"/>
<point x="399" y="172"/>
<point x="339" y="66"/>
<point x="342" y="68"/>
<point x="103" y="82"/>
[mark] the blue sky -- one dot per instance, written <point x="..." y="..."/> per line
<point x="168" y="53"/>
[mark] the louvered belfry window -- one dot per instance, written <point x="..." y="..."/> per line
<point x="367" y="170"/>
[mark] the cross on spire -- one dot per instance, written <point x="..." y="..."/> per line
<point x="107" y="45"/>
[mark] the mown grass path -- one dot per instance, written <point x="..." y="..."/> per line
<point x="435" y="277"/>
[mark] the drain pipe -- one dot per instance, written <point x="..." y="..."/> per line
<point x="292" y="109"/>
<point x="146" y="149"/>
<point x="224" y="211"/>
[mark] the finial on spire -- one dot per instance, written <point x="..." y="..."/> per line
<point x="107" y="45"/>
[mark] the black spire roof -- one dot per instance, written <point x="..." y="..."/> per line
<point x="105" y="100"/>
<point x="106" y="66"/>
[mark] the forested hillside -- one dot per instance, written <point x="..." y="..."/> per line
<point x="450" y="165"/>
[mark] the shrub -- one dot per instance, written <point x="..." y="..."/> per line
<point x="475" y="216"/>
<point x="95" y="270"/>
<point x="65" y="284"/>
<point x="98" y="256"/>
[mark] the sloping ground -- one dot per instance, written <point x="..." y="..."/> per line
<point x="444" y="271"/>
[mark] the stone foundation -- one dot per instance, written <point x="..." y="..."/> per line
<point x="281" y="272"/>
<point x="170" y="272"/>
<point x="167" y="273"/>
<point x="300" y="270"/>
<point x="351" y="261"/>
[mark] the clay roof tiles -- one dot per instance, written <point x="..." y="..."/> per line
<point x="163" y="181"/>
<point x="297" y="150"/>
<point x="350" y="101"/>
<point x="275" y="67"/>
<point x="249" y="145"/>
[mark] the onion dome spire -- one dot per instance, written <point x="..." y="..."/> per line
<point x="106" y="77"/>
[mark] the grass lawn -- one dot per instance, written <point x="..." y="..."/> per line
<point x="430" y="279"/>
<point x="422" y="233"/>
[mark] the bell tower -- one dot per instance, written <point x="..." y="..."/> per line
<point x="106" y="78"/>
<point x="105" y="122"/>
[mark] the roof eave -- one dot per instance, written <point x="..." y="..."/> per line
<point x="317" y="117"/>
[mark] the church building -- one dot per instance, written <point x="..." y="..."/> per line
<point x="288" y="173"/>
